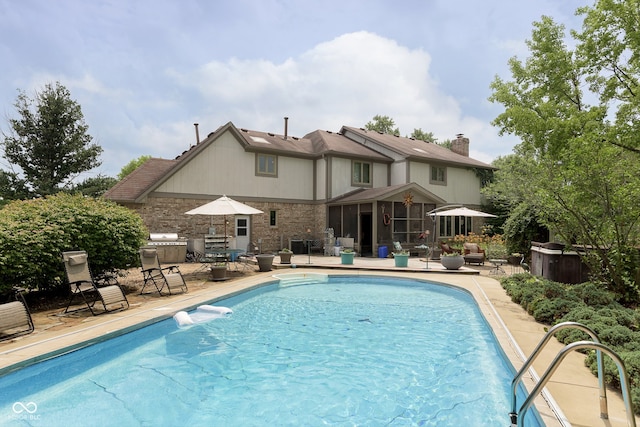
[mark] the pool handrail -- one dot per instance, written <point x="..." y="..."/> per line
<point x="536" y="351"/>
<point x="578" y="345"/>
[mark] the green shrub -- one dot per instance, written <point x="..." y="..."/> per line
<point x="34" y="233"/>
<point x="631" y="360"/>
<point x="523" y="289"/>
<point x="592" y="305"/>
<point x="554" y="290"/>
<point x="594" y="294"/>
<point x="549" y="311"/>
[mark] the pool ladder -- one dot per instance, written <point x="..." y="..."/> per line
<point x="517" y="418"/>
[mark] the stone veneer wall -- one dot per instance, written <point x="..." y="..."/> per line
<point x="167" y="215"/>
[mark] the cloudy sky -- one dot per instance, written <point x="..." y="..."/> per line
<point x="144" y="71"/>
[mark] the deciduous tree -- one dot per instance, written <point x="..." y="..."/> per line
<point x="582" y="175"/>
<point x="132" y="165"/>
<point x="383" y="124"/>
<point x="49" y="143"/>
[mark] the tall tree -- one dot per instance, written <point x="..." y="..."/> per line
<point x="94" y="186"/>
<point x="608" y="45"/>
<point x="132" y="165"/>
<point x="382" y="124"/>
<point x="423" y="136"/>
<point x="49" y="143"/>
<point x="428" y="136"/>
<point x="584" y="186"/>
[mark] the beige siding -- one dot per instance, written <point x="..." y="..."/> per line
<point x="399" y="173"/>
<point x="463" y="186"/>
<point x="380" y="175"/>
<point x="224" y="167"/>
<point x="321" y="179"/>
<point x="341" y="176"/>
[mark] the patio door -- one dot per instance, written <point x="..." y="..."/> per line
<point x="243" y="232"/>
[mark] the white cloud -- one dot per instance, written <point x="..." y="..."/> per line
<point x="345" y="81"/>
<point x="151" y="69"/>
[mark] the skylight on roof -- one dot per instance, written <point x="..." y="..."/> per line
<point x="420" y="150"/>
<point x="260" y="139"/>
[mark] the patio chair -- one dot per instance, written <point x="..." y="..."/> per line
<point x="81" y="283"/>
<point x="316" y="245"/>
<point x="448" y="249"/>
<point x="161" y="277"/>
<point x="15" y="318"/>
<point x="473" y="254"/>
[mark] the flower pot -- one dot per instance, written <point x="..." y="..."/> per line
<point x="346" y="257"/>
<point x="401" y="260"/>
<point x="452" y="262"/>
<point x="285" y="257"/>
<point x="218" y="272"/>
<point x="514" y="260"/>
<point x="264" y="262"/>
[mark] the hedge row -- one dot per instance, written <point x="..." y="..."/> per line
<point x="34" y="233"/>
<point x="593" y="305"/>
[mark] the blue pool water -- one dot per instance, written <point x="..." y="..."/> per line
<point x="355" y="351"/>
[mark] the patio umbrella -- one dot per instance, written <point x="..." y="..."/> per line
<point x="222" y="207"/>
<point x="455" y="211"/>
<point x="463" y="212"/>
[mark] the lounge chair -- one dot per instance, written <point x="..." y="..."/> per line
<point x="473" y="254"/>
<point x="81" y="283"/>
<point x="15" y="318"/>
<point x="161" y="277"/>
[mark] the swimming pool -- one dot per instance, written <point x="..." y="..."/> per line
<point x="352" y="351"/>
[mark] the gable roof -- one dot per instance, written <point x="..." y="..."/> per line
<point x="411" y="148"/>
<point x="331" y="143"/>
<point x="362" y="195"/>
<point x="368" y="145"/>
<point x="134" y="185"/>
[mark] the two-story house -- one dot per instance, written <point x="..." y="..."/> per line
<point x="372" y="187"/>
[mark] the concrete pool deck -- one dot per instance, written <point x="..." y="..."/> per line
<point x="572" y="387"/>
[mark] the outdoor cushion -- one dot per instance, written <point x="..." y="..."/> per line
<point x="77" y="259"/>
<point x="473" y="248"/>
<point x="148" y="253"/>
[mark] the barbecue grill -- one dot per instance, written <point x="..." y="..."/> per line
<point x="170" y="247"/>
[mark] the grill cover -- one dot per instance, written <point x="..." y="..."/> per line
<point x="163" y="237"/>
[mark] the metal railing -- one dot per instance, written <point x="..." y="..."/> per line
<point x="517" y="418"/>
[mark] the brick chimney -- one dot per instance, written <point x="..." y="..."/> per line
<point x="460" y="145"/>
